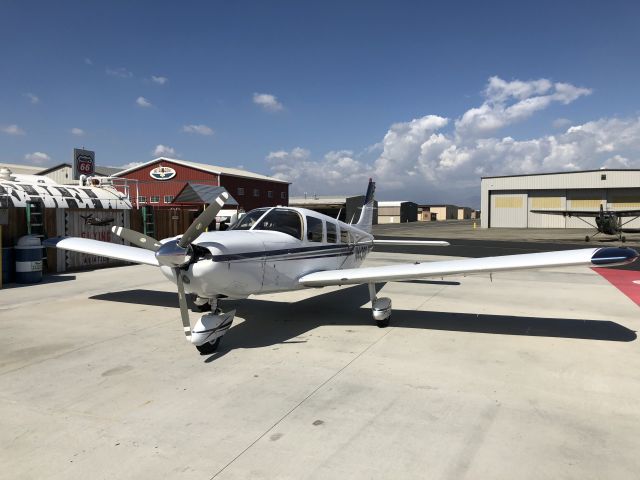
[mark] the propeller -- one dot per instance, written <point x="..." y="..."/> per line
<point x="137" y="238"/>
<point x="177" y="253"/>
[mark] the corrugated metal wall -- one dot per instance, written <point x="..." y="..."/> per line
<point x="509" y="209"/>
<point x="614" y="189"/>
<point x="70" y="222"/>
<point x="546" y="200"/>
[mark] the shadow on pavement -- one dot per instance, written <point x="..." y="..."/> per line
<point x="270" y="323"/>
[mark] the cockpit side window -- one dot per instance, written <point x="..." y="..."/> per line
<point x="282" y="220"/>
<point x="345" y="236"/>
<point x="332" y="234"/>
<point x="249" y="220"/>
<point x="314" y="229"/>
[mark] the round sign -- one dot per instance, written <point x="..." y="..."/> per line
<point x="162" y="173"/>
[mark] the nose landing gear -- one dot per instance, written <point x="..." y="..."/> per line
<point x="208" y="331"/>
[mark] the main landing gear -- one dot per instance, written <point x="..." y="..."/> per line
<point x="208" y="331"/>
<point x="381" y="307"/>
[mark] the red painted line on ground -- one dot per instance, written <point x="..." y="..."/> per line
<point x="623" y="280"/>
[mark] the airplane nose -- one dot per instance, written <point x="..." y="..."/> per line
<point x="614" y="256"/>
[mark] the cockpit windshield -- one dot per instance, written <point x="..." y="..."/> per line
<point x="249" y="220"/>
<point x="282" y="220"/>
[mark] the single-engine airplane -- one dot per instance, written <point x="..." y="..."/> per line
<point x="279" y="249"/>
<point x="95" y="221"/>
<point x="608" y="222"/>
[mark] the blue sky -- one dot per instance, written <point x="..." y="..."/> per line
<point x="339" y="84"/>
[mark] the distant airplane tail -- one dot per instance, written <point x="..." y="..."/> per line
<point x="366" y="216"/>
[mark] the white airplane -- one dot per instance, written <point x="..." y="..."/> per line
<point x="280" y="249"/>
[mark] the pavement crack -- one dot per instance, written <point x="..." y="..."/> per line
<point x="301" y="402"/>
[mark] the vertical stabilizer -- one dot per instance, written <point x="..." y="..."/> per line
<point x="366" y="216"/>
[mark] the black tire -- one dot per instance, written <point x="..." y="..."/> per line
<point x="383" y="323"/>
<point x="203" y="308"/>
<point x="209" y="348"/>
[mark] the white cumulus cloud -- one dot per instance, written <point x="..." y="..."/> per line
<point x="13" y="130"/>
<point x="119" y="72"/>
<point x="267" y="101"/>
<point x="159" y="79"/>
<point x="510" y="102"/>
<point x="32" y="98"/>
<point x="37" y="157"/>
<point x="78" y="132"/>
<point x="164" y="151"/>
<point x="434" y="159"/>
<point x="143" y="102"/>
<point x="199" y="129"/>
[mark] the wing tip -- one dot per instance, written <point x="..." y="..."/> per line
<point x="614" y="256"/>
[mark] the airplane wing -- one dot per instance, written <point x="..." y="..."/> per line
<point x="570" y="213"/>
<point x="592" y="257"/>
<point x="589" y="213"/>
<point x="104" y="249"/>
<point x="425" y="243"/>
<point x="626" y="213"/>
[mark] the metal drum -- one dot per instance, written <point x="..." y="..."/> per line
<point x="28" y="259"/>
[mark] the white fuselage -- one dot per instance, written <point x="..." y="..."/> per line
<point x="238" y="263"/>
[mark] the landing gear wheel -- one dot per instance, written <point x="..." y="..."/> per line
<point x="623" y="238"/>
<point x="209" y="348"/>
<point x="383" y="323"/>
<point x="586" y="239"/>
<point x="204" y="308"/>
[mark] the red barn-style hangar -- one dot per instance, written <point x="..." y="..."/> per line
<point x="162" y="179"/>
<point x="154" y="185"/>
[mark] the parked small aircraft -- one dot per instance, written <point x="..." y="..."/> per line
<point x="281" y="249"/>
<point x="96" y="221"/>
<point x="608" y="222"/>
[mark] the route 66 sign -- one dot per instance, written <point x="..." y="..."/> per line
<point x="84" y="163"/>
<point x="162" y="173"/>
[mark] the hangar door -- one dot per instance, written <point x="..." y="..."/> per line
<point x="546" y="200"/>
<point x="508" y="209"/>
<point x="589" y="200"/>
<point x="625" y="199"/>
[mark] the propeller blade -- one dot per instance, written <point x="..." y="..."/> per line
<point x="184" y="311"/>
<point x="203" y="220"/>
<point x="137" y="238"/>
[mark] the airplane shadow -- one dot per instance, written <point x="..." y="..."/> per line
<point x="271" y="323"/>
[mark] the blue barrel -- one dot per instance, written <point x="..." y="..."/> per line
<point x="28" y="259"/>
<point x="8" y="266"/>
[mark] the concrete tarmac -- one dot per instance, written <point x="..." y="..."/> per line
<point x="535" y="374"/>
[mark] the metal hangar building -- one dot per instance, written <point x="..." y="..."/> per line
<point x="506" y="201"/>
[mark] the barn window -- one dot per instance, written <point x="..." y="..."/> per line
<point x="256" y="192"/>
<point x="240" y="191"/>
<point x="142" y="199"/>
<point x="168" y="198"/>
<point x="603" y="176"/>
<point x="155" y="199"/>
<point x="270" y="194"/>
<point x="283" y="195"/>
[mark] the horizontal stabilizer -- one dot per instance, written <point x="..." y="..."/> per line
<point x="424" y="243"/>
<point x="103" y="249"/>
<point x="593" y="257"/>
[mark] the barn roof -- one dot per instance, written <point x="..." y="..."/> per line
<point x="218" y="170"/>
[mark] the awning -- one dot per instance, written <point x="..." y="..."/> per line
<point x="202" y="193"/>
